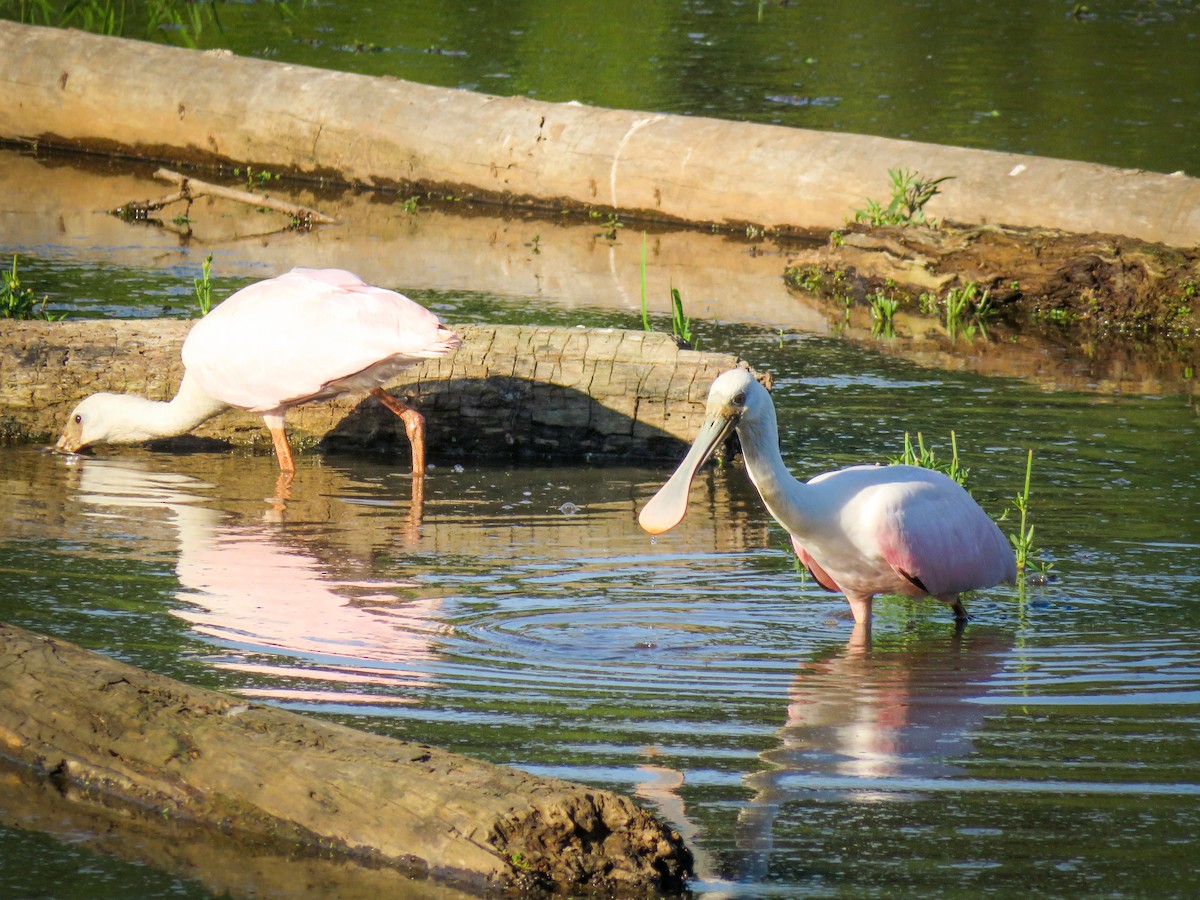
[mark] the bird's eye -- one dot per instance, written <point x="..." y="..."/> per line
<point x="78" y="419"/>
<point x="739" y="399"/>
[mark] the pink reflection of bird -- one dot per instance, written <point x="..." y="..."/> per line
<point x="308" y="335"/>
<point x="864" y="530"/>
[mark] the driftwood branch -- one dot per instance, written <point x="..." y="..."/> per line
<point x="191" y="188"/>
<point x="108" y="733"/>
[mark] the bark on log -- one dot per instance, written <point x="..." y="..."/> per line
<point x="510" y="392"/>
<point x="119" y="734"/>
<point x="109" y="95"/>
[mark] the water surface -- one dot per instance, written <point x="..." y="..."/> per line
<point x="1107" y="82"/>
<point x="526" y="620"/>
<point x="1050" y="748"/>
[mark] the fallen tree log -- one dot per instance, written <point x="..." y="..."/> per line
<point x="511" y="392"/>
<point x="109" y="733"/>
<point x="108" y="95"/>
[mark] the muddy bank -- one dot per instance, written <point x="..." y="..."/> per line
<point x="1122" y="305"/>
<point x="108" y="733"/>
<point x="212" y="109"/>
<point x="509" y="393"/>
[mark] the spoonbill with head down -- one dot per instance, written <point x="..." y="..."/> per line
<point x="864" y="530"/>
<point x="310" y="334"/>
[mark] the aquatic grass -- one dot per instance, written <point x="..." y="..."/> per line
<point x="911" y="192"/>
<point x="1024" y="547"/>
<point x="966" y="309"/>
<point x="18" y="302"/>
<point x="185" y="19"/>
<point x="681" y="325"/>
<point x="968" y="302"/>
<point x="203" y="286"/>
<point x="923" y="456"/>
<point x="1022" y="540"/>
<point x="883" y="312"/>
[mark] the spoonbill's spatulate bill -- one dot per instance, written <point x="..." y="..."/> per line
<point x="864" y="530"/>
<point x="308" y="335"/>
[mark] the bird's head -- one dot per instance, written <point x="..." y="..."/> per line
<point x="99" y="418"/>
<point x="735" y="398"/>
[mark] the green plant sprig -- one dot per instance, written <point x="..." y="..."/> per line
<point x="681" y="325"/>
<point x="910" y="194"/>
<point x="923" y="456"/>
<point x="1022" y="541"/>
<point x="203" y="286"/>
<point x="18" y="302"/>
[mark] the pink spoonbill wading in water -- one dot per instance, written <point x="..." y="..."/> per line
<point x="310" y="334"/>
<point x="863" y="530"/>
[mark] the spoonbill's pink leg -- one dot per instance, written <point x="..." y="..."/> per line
<point x="414" y="427"/>
<point x="282" y="451"/>
<point x="861" y="607"/>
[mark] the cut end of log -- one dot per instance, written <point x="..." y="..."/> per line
<point x="598" y="840"/>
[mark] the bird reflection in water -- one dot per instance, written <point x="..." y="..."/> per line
<point x="865" y="724"/>
<point x="289" y="607"/>
<point x="871" y="724"/>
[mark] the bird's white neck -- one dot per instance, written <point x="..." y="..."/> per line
<point x="779" y="489"/>
<point x="138" y="419"/>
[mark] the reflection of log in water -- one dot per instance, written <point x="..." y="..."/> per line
<point x="721" y="278"/>
<point x="227" y="864"/>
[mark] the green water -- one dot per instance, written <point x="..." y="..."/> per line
<point x="1050" y="749"/>
<point x="1117" y="83"/>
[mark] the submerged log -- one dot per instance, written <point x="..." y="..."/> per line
<point x="109" y="733"/>
<point x="511" y="392"/>
<point x="123" y="97"/>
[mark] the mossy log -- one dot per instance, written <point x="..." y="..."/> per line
<point x="113" y="733"/>
<point x="511" y="392"/>
<point x="1097" y="284"/>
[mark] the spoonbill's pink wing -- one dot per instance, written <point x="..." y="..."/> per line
<point x="279" y="342"/>
<point x="941" y="540"/>
<point x="814" y="569"/>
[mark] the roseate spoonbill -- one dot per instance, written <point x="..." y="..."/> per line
<point x="864" y="530"/>
<point x="308" y="335"/>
